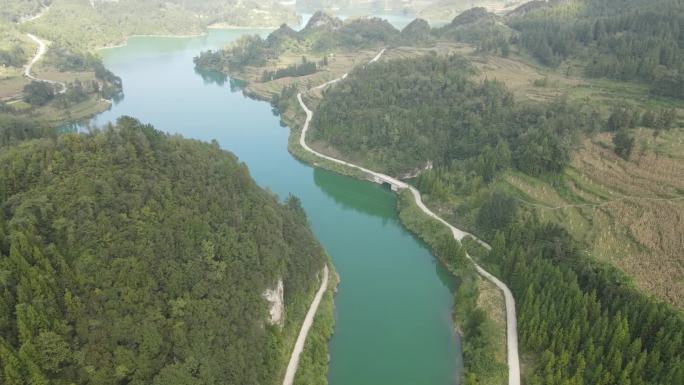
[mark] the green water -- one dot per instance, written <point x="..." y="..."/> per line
<point x="394" y="302"/>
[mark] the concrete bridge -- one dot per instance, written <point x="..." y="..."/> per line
<point x="394" y="184"/>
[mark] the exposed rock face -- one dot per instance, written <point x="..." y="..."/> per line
<point x="275" y="299"/>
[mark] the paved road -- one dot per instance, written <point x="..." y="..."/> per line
<point x="304" y="331"/>
<point x="511" y="321"/>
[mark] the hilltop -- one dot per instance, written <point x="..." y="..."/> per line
<point x="129" y="255"/>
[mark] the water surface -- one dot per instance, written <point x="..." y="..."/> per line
<point x="394" y="302"/>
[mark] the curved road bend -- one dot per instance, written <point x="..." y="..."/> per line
<point x="42" y="48"/>
<point x="511" y="321"/>
<point x="304" y="331"/>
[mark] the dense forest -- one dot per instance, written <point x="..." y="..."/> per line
<point x="128" y="256"/>
<point x="583" y="320"/>
<point x="399" y="115"/>
<point x="640" y="40"/>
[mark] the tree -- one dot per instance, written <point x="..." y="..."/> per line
<point x="624" y="143"/>
<point x="38" y="93"/>
<point x="497" y="212"/>
<point x="52" y="352"/>
<point x="620" y="118"/>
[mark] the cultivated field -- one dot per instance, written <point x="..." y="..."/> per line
<point x="629" y="213"/>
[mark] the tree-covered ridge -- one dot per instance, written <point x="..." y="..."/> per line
<point x="480" y="28"/>
<point x="639" y="40"/>
<point x="130" y="256"/>
<point x="400" y="115"/>
<point x="322" y="34"/>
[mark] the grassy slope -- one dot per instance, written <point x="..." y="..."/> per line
<point x="642" y="237"/>
<point x="629" y="213"/>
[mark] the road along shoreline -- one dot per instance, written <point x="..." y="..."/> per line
<point x="304" y="331"/>
<point x="511" y="320"/>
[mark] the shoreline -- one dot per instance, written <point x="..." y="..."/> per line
<point x="293" y="364"/>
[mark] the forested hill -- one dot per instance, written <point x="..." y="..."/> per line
<point x="128" y="256"/>
<point x="397" y="116"/>
<point x="621" y="39"/>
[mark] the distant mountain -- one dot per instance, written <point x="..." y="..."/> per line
<point x="431" y="10"/>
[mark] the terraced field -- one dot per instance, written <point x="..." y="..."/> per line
<point x="630" y="213"/>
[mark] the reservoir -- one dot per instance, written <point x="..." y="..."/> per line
<point x="393" y="306"/>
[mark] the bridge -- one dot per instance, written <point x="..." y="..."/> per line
<point x="394" y="184"/>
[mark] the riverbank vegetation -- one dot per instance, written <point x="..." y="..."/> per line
<point x="482" y="364"/>
<point x="132" y="256"/>
<point x="313" y="362"/>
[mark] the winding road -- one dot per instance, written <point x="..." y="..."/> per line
<point x="304" y="331"/>
<point x="511" y="321"/>
<point x="42" y="48"/>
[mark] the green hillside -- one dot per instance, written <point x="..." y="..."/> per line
<point x="130" y="256"/>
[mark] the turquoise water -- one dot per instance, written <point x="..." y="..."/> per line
<point x="394" y="301"/>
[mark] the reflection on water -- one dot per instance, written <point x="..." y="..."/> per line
<point x="212" y="77"/>
<point x="357" y="198"/>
